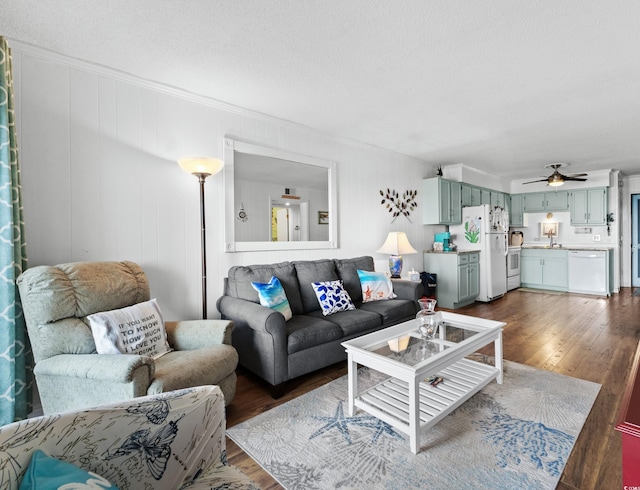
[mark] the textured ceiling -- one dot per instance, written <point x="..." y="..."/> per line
<point x="502" y="86"/>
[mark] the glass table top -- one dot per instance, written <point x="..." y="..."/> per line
<point x="412" y="349"/>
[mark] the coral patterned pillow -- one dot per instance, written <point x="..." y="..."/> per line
<point x="333" y="297"/>
<point x="375" y="286"/>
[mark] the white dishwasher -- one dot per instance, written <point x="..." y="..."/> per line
<point x="589" y="272"/>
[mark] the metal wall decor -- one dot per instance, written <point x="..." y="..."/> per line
<point x="399" y="205"/>
<point x="242" y="214"/>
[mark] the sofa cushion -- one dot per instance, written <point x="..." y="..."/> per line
<point x="240" y="279"/>
<point x="310" y="271"/>
<point x="353" y="322"/>
<point x="304" y="331"/>
<point x="392" y="311"/>
<point x="183" y="369"/>
<point x="348" y="272"/>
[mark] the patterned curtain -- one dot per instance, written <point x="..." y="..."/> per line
<point x="15" y="354"/>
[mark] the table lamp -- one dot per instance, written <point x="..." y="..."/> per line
<point x="396" y="245"/>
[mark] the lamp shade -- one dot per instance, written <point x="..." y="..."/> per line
<point x="397" y="243"/>
<point x="201" y="165"/>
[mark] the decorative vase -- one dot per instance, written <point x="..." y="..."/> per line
<point x="427" y="319"/>
<point x="395" y="266"/>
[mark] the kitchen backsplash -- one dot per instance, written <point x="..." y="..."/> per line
<point x="567" y="234"/>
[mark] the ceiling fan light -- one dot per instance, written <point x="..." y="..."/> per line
<point x="556" y="179"/>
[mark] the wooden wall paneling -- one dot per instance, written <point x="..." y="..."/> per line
<point x="109" y="181"/>
<point x="84" y="171"/>
<point x="45" y="160"/>
<point x="128" y="172"/>
<point x="149" y="162"/>
<point x="120" y="193"/>
<point x="177" y="215"/>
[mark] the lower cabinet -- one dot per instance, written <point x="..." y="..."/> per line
<point x="544" y="269"/>
<point x="458" y="277"/>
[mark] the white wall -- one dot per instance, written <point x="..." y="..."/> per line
<point x="98" y="152"/>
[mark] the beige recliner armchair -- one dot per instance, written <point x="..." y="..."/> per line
<point x="71" y="375"/>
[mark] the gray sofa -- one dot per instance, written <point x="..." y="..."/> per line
<point x="279" y="350"/>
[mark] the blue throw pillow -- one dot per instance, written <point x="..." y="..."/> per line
<point x="375" y="286"/>
<point x="333" y="297"/>
<point x="272" y="295"/>
<point x="47" y="473"/>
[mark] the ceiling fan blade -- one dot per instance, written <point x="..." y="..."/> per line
<point x="534" y="181"/>
<point x="575" y="178"/>
<point x="578" y="175"/>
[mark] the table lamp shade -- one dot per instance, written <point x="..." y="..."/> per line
<point x="396" y="245"/>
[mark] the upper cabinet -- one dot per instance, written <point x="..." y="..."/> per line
<point x="589" y="206"/>
<point x="474" y="196"/>
<point x="470" y="195"/>
<point x="442" y="202"/>
<point x="498" y="199"/>
<point x="516" y="210"/>
<point x="538" y="202"/>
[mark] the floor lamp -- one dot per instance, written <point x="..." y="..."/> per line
<point x="202" y="167"/>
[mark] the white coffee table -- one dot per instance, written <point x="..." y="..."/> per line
<point x="406" y="401"/>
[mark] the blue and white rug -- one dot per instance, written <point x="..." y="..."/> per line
<point x="515" y="435"/>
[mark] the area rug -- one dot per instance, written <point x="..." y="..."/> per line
<point x="515" y="435"/>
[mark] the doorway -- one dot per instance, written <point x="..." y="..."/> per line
<point x="635" y="233"/>
<point x="289" y="221"/>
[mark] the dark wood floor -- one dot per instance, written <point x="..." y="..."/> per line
<point x="582" y="336"/>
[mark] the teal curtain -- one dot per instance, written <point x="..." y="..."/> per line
<point x="15" y="354"/>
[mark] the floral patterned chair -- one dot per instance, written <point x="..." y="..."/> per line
<point x="164" y="441"/>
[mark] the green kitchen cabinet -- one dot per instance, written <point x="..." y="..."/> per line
<point x="589" y="206"/>
<point x="540" y="202"/>
<point x="458" y="277"/>
<point x="498" y="199"/>
<point x="470" y="195"/>
<point x="544" y="269"/>
<point x="442" y="202"/>
<point x="516" y="210"/>
<point x="485" y="196"/>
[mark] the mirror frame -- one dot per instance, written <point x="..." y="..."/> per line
<point x="231" y="146"/>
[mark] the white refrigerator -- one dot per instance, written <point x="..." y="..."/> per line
<point x="485" y="228"/>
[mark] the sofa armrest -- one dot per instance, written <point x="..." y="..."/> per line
<point x="253" y="315"/>
<point x="194" y="334"/>
<point x="404" y="289"/>
<point x="119" y="368"/>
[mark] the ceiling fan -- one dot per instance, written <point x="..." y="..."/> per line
<point x="556" y="178"/>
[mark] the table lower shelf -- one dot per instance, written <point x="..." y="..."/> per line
<point x="389" y="400"/>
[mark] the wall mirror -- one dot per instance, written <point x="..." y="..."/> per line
<point x="277" y="200"/>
